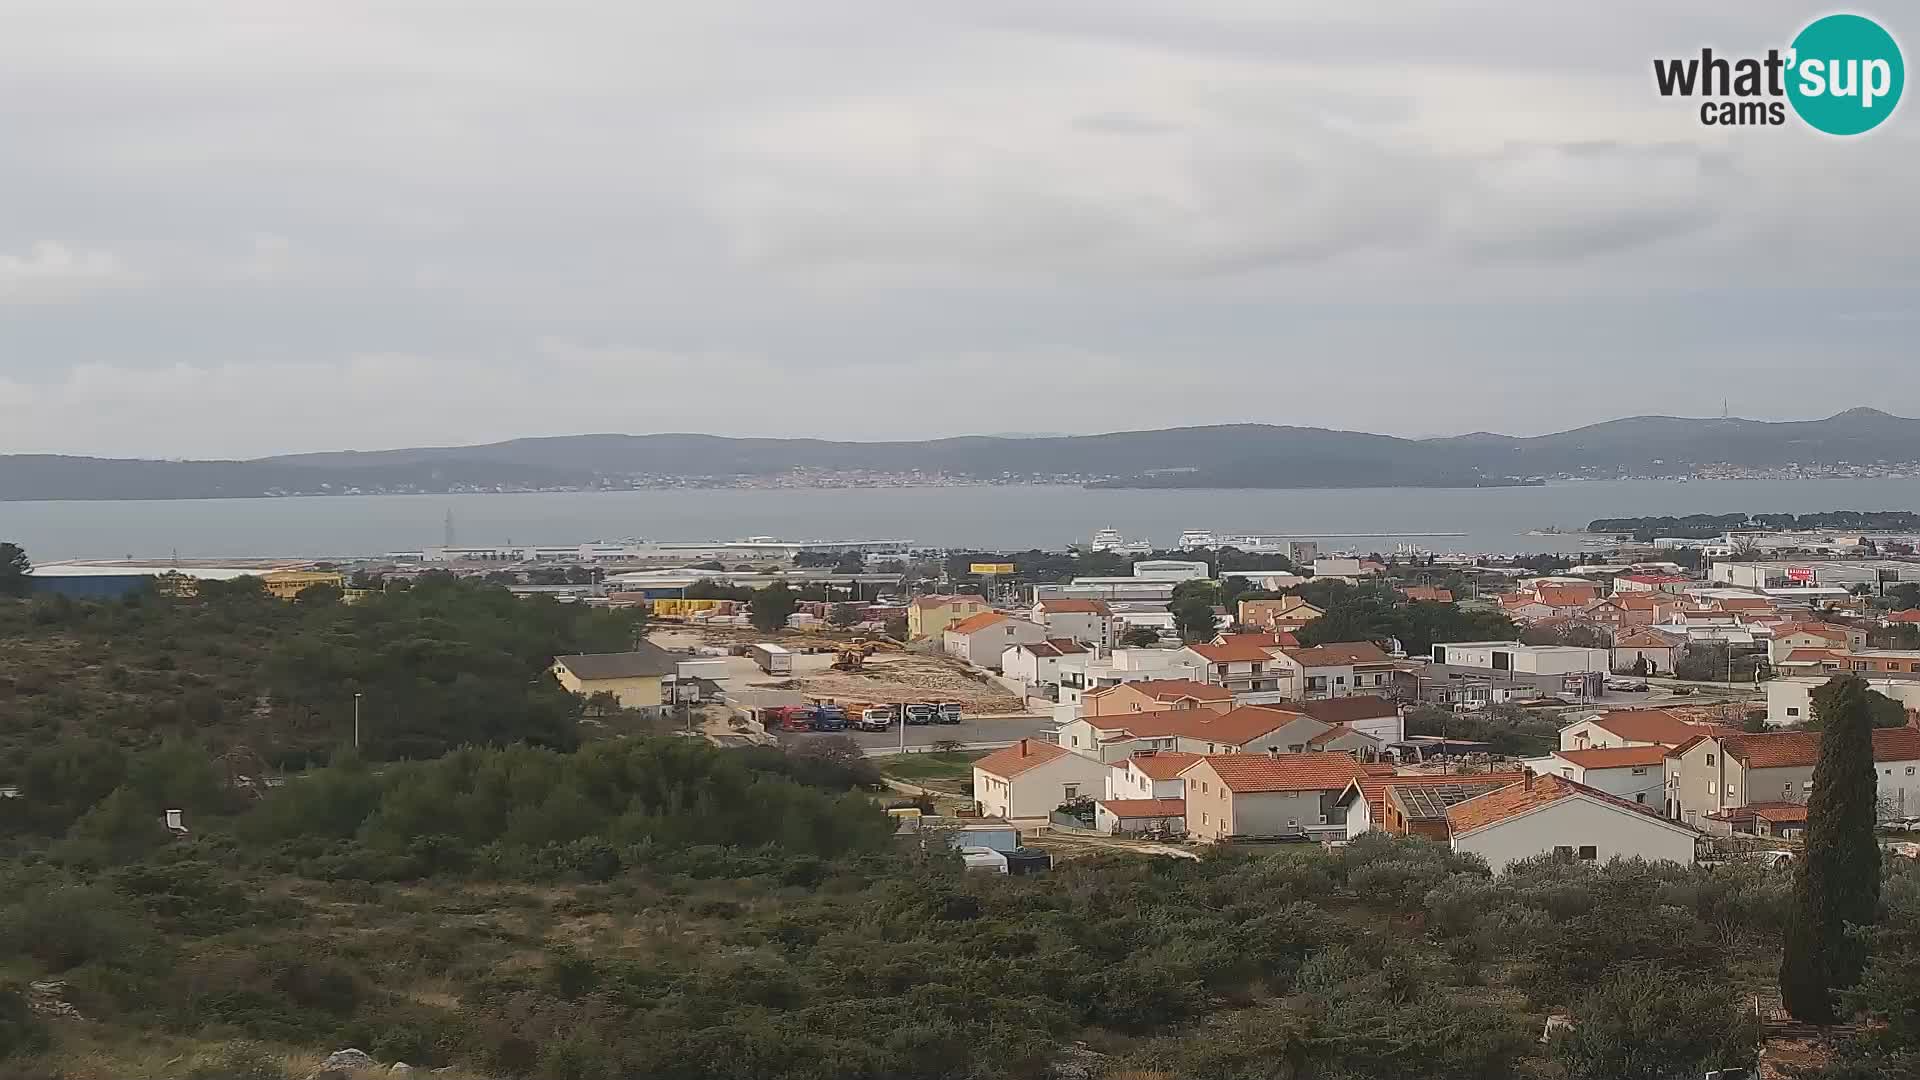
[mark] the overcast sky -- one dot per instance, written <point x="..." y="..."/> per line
<point x="238" y="227"/>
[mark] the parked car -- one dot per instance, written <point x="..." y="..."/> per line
<point x="1626" y="686"/>
<point x="921" y="713"/>
<point x="1681" y="691"/>
<point x="950" y="712"/>
<point x="877" y="718"/>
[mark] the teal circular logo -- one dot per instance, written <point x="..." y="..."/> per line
<point x="1846" y="74"/>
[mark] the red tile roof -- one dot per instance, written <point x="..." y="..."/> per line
<point x="1161" y="764"/>
<point x="1428" y="592"/>
<point x="1088" y="607"/>
<point x="1054" y="647"/>
<point x="1566" y="596"/>
<point x="1813" y="656"/>
<point x="1516" y="799"/>
<point x="976" y="622"/>
<point x="1778" y="811"/>
<point x="1339" y="654"/>
<point x="1819" y="629"/>
<point x="1644" y="639"/>
<point x="1246" y="774"/>
<point x="1656" y="579"/>
<point x="1911" y="615"/>
<point x="1172" y="690"/>
<point x="1335" y="733"/>
<point x="1234" y="728"/>
<point x="1615" y="757"/>
<point x="1009" y="762"/>
<point x="1373" y="788"/>
<point x="1235" y="651"/>
<point x="1145" y="808"/>
<point x="1649" y="726"/>
<point x="1799" y="749"/>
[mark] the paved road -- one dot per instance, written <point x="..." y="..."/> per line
<point x="976" y="733"/>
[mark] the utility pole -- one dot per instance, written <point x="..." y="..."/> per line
<point x="356" y="720"/>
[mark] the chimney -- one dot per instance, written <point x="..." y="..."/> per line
<point x="1273" y="752"/>
<point x="1528" y="774"/>
<point x="1024" y="752"/>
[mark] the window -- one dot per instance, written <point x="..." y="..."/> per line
<point x="1709" y="761"/>
<point x="1588" y="853"/>
<point x="1203" y="787"/>
<point x="1793" y="710"/>
<point x="1640" y="797"/>
<point x="1712" y="788"/>
<point x="1909" y="770"/>
<point x="1640" y="770"/>
<point x="1204" y="820"/>
<point x="1339" y="680"/>
<point x="1076" y="740"/>
<point x="1562" y="851"/>
<point x="1293" y="823"/>
<point x="1072" y="791"/>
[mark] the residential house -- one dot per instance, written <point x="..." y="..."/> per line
<point x="1231" y="795"/>
<point x="1871" y="662"/>
<point x="1789" y="636"/>
<point x="1512" y="656"/>
<point x="1365" y="805"/>
<point x="1089" y="671"/>
<point x="1117" y="817"/>
<point x="633" y="678"/>
<point x="1790" y="694"/>
<point x="1155" y="695"/>
<point x="289" y="584"/>
<point x="1251" y="728"/>
<point x="1724" y="771"/>
<point x="1335" y="567"/>
<point x="1658" y="651"/>
<point x="1430" y="593"/>
<point x="981" y="640"/>
<point x="1243" y="665"/>
<point x="1784" y="821"/>
<point x="1031" y="778"/>
<point x="1622" y="611"/>
<point x="1631" y="727"/>
<point x="1089" y="622"/>
<point x="929" y="616"/>
<point x="1037" y="663"/>
<point x="1909" y="617"/>
<point x="1634" y="773"/>
<point x="1344" y="739"/>
<point x="1288" y="613"/>
<point x="1149" y="774"/>
<point x="1366" y="713"/>
<point x="1552" y="815"/>
<point x="1337" y="669"/>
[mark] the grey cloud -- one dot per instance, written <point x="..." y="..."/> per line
<point x="761" y="217"/>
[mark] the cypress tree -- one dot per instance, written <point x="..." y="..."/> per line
<point x="1838" y="880"/>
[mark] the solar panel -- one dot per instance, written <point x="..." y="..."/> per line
<point x="1421" y="802"/>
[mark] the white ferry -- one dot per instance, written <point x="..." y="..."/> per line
<point x="1197" y="538"/>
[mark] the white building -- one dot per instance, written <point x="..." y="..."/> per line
<point x="982" y="639"/>
<point x="1150" y="774"/>
<point x="1634" y="773"/>
<point x="1174" y="570"/>
<point x="1037" y="663"/>
<point x="1086" y="671"/>
<point x="1522" y="659"/>
<point x="1089" y="622"/>
<point x="1790" y="698"/>
<point x="1332" y="567"/>
<point x="1552" y="815"/>
<point x="1031" y="778"/>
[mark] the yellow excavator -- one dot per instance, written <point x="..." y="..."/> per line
<point x="853" y="655"/>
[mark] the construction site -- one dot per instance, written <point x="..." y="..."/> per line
<point x="845" y="669"/>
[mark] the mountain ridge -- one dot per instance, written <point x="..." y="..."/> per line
<point x="1240" y="455"/>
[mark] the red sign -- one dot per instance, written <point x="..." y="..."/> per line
<point x="1799" y="573"/>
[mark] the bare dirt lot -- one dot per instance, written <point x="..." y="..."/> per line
<point x="888" y="678"/>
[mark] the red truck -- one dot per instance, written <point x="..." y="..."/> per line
<point x="791" y="717"/>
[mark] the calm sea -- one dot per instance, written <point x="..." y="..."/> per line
<point x="1490" y="519"/>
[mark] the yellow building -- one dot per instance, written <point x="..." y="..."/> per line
<point x="633" y="678"/>
<point x="286" y="584"/>
<point x="929" y="616"/>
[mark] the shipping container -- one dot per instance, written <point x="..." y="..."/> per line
<point x="773" y="659"/>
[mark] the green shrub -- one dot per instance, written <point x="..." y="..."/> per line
<point x="21" y="1032"/>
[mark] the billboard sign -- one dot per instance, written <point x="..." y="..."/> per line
<point x="1802" y="574"/>
<point x="985" y="569"/>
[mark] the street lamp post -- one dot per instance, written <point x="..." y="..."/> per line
<point x="356" y="719"/>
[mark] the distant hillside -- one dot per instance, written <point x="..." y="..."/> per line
<point x="1228" y="456"/>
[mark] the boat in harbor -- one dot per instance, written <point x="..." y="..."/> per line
<point x="1110" y="540"/>
<point x="1197" y="538"/>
